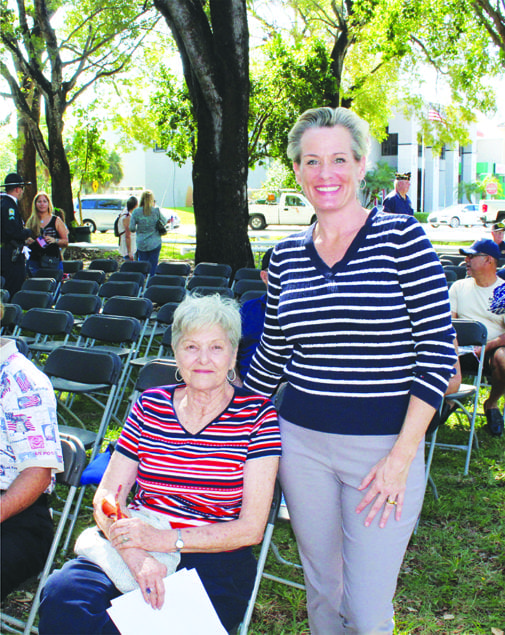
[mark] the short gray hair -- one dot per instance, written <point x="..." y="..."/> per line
<point x="199" y="312"/>
<point x="326" y="117"/>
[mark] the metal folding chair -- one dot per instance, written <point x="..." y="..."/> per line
<point x="33" y="299"/>
<point x="104" y="264"/>
<point x="96" y="275"/>
<point x="206" y="281"/>
<point x="173" y="268"/>
<point x="109" y="289"/>
<point x="241" y="286"/>
<point x="11" y="318"/>
<point x="45" y="326"/>
<point x="222" y="291"/>
<point x="168" y="280"/>
<point x="212" y="269"/>
<point x="76" y="285"/>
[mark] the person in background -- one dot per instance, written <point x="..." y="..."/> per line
<point x="398" y="202"/>
<point x="470" y="300"/>
<point x="203" y="455"/>
<point x="13" y="234"/>
<point x="127" y="246"/>
<point x="252" y="314"/>
<point x="30" y="456"/>
<point x="497" y="232"/>
<point x="358" y="324"/>
<point x="50" y="235"/>
<point x="143" y="222"/>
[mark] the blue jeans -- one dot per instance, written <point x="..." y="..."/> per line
<point x="76" y="598"/>
<point x="151" y="257"/>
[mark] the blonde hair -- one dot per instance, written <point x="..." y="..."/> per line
<point x="33" y="221"/>
<point x="199" y="312"/>
<point x="147" y="202"/>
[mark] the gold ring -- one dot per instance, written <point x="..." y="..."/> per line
<point x="391" y="502"/>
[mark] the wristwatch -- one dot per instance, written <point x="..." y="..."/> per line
<point x="179" y="543"/>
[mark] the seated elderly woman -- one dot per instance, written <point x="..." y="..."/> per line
<point x="205" y="454"/>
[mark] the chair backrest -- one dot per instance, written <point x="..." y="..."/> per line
<point x="173" y="268"/>
<point x="136" y="265"/>
<point x="212" y="269"/>
<point x="222" y="291"/>
<point x="74" y="460"/>
<point x="72" y="266"/>
<point x="84" y="365"/>
<point x="140" y="308"/>
<point x="450" y="275"/>
<point x="206" y="281"/>
<point x="104" y="264"/>
<point x="11" y="317"/>
<point x="33" y="299"/>
<point x="39" y="284"/>
<point x="97" y="275"/>
<point x="158" y="372"/>
<point x="47" y="321"/>
<point x="247" y="273"/>
<point x="161" y="294"/>
<point x="5" y="296"/>
<point x="128" y="276"/>
<point x="79" y="304"/>
<point x="470" y="332"/>
<point x="108" y="289"/>
<point x="459" y="270"/>
<point x="111" y="328"/>
<point x="241" y="286"/>
<point x="57" y="274"/>
<point x="171" y="281"/>
<point x="251" y="295"/>
<point x="165" y="314"/>
<point x="79" y="286"/>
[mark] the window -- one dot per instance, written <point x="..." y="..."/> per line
<point x="389" y="147"/>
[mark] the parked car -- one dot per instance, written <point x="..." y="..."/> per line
<point x="456" y="215"/>
<point x="99" y="211"/>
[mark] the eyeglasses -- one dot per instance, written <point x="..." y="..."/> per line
<point x="472" y="256"/>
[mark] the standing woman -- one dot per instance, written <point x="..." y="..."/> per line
<point x="358" y="323"/>
<point x="143" y="221"/>
<point x="50" y="235"/>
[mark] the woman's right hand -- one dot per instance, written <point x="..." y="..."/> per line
<point x="148" y="573"/>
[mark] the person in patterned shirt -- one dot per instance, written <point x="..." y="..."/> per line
<point x="30" y="455"/>
<point x="204" y="454"/>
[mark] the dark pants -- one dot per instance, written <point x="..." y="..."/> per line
<point x="151" y="257"/>
<point x="13" y="272"/>
<point x="26" y="540"/>
<point x="75" y="598"/>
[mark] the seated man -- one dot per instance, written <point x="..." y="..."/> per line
<point x="30" y="452"/>
<point x="470" y="299"/>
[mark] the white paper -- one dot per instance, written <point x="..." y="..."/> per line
<point x="187" y="609"/>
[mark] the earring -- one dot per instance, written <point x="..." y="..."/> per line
<point x="233" y="376"/>
<point x="362" y="184"/>
<point x="178" y="379"/>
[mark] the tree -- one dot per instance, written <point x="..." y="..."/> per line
<point x="492" y="17"/>
<point x="213" y="44"/>
<point x="97" y="40"/>
<point x="376" y="180"/>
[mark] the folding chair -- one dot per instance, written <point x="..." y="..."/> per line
<point x="246" y="273"/>
<point x="171" y="281"/>
<point x="11" y="318"/>
<point x="33" y="299"/>
<point x="109" y="289"/>
<point x="80" y="305"/>
<point x="21" y="345"/>
<point x="222" y="291"/>
<point x="46" y="325"/>
<point x="157" y="372"/>
<point x="137" y="266"/>
<point x="5" y="296"/>
<point x="104" y="264"/>
<point x="459" y="270"/>
<point x="74" y="461"/>
<point x="251" y="295"/>
<point x="97" y="275"/>
<point x="161" y="294"/>
<point x="39" y="284"/>
<point x="55" y="273"/>
<point x="164" y="351"/>
<point x="206" y="281"/>
<point x="76" y="285"/>
<point x="469" y="333"/>
<point x="173" y="268"/>
<point x="241" y="286"/>
<point x="212" y="269"/>
<point x="129" y="276"/>
<point x="71" y="267"/>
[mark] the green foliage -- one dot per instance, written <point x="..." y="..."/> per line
<point x="376" y="180"/>
<point x="279" y="177"/>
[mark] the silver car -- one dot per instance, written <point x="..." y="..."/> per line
<point x="100" y="211"/>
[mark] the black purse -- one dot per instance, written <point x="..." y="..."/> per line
<point x="160" y="225"/>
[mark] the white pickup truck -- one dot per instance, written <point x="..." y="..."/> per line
<point x="491" y="210"/>
<point x="283" y="208"/>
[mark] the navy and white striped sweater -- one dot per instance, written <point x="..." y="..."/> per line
<point x="354" y="341"/>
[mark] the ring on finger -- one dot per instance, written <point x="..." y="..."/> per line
<point x="125" y="539"/>
<point x="391" y="502"/>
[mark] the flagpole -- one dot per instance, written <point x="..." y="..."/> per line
<point x="422" y="173"/>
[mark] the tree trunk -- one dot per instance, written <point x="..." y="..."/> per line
<point x="26" y="167"/>
<point x="215" y="56"/>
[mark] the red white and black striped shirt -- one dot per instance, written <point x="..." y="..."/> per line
<point x="196" y="479"/>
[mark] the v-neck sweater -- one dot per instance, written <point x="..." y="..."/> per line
<point x="354" y="341"/>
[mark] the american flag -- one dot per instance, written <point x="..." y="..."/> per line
<point x="22" y="381"/>
<point x="29" y="402"/>
<point x="14" y="420"/>
<point x="434" y="114"/>
<point x="4" y="385"/>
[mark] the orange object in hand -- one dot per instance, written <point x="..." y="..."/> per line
<point x="111" y="508"/>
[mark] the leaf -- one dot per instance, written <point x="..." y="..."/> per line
<point x="496" y="631"/>
<point x="448" y="616"/>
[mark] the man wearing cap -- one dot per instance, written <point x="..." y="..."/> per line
<point x="470" y="299"/>
<point x="13" y="235"/>
<point x="497" y="232"/>
<point x="397" y="202"/>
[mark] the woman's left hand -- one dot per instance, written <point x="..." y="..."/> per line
<point x="134" y="532"/>
<point x="50" y="239"/>
<point x="387" y="482"/>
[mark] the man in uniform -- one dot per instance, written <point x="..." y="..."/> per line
<point x="13" y="234"/>
<point x="397" y="202"/>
